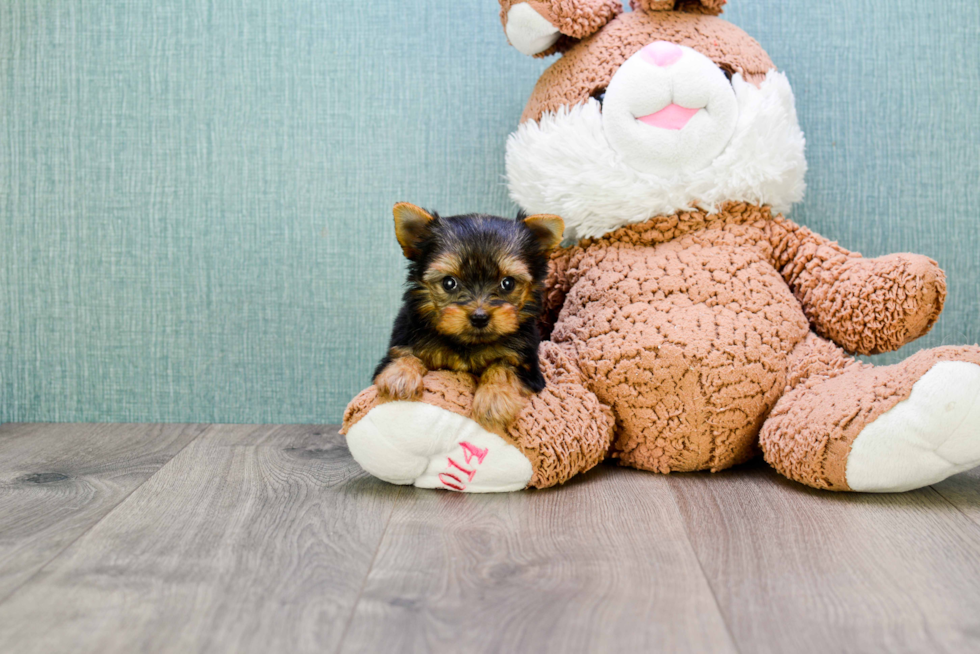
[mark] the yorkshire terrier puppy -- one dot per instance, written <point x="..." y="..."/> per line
<point x="472" y="305"/>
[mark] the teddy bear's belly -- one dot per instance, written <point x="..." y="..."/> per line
<point x="689" y="345"/>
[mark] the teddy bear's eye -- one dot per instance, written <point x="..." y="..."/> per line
<point x="507" y="284"/>
<point x="449" y="284"/>
<point x="599" y="95"/>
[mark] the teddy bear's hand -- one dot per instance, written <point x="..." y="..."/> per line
<point x="878" y="305"/>
<point x="867" y="306"/>
<point x="401" y="380"/>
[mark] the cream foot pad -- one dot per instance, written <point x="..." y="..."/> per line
<point x="429" y="447"/>
<point x="932" y="435"/>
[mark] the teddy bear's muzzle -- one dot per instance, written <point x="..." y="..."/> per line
<point x="669" y="109"/>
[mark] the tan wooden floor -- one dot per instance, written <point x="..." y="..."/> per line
<point x="220" y="538"/>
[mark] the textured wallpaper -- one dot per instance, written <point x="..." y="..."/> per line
<point x="195" y="196"/>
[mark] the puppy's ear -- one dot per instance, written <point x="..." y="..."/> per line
<point x="411" y="226"/>
<point x="547" y="229"/>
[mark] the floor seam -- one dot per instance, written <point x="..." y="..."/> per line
<point x="92" y="526"/>
<point x="367" y="575"/>
<point x="711" y="589"/>
<point x="969" y="518"/>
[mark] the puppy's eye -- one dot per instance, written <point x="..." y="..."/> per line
<point x="599" y="95"/>
<point x="507" y="284"/>
<point x="729" y="72"/>
<point x="449" y="284"/>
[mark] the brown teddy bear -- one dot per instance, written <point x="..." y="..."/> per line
<point x="691" y="325"/>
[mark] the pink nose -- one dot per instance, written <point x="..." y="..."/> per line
<point x="661" y="53"/>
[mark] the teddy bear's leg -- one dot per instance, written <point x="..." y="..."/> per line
<point x="844" y="425"/>
<point x="562" y="431"/>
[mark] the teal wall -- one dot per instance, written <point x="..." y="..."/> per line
<point x="195" y="196"/>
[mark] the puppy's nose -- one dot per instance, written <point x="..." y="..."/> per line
<point x="661" y="53"/>
<point x="479" y="318"/>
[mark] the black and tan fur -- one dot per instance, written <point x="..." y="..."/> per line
<point x="472" y="305"/>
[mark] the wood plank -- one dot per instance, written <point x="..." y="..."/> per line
<point x="963" y="492"/>
<point x="252" y="539"/>
<point x="57" y="480"/>
<point x="800" y="570"/>
<point x="601" y="564"/>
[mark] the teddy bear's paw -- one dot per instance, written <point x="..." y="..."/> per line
<point x="932" y="435"/>
<point x="413" y="443"/>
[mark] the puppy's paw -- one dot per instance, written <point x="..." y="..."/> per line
<point x="401" y="380"/>
<point x="498" y="400"/>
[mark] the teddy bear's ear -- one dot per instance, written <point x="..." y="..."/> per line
<point x="712" y="7"/>
<point x="542" y="27"/>
<point x="411" y="226"/>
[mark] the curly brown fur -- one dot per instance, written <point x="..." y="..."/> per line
<point x="472" y="304"/>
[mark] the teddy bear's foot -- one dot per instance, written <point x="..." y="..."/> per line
<point x="932" y="435"/>
<point x="429" y="447"/>
<point x="846" y="425"/>
<point x="433" y="443"/>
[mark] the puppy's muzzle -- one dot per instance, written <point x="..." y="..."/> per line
<point x="479" y="318"/>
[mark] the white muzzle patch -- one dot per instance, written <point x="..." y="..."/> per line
<point x="669" y="110"/>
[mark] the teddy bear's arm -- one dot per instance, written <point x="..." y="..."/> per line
<point x="555" y="288"/>
<point x="866" y="306"/>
